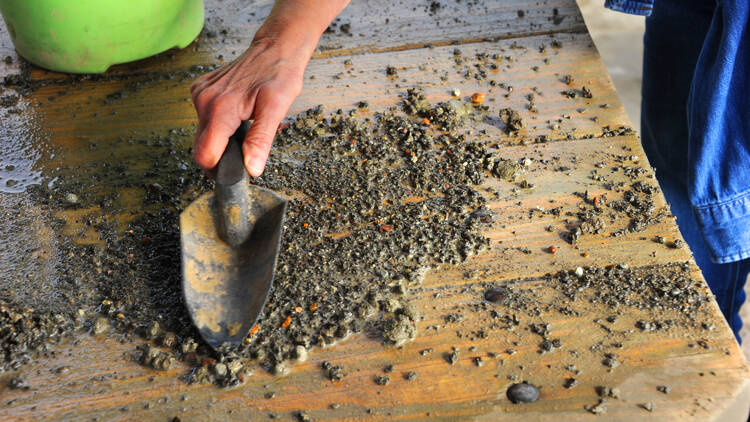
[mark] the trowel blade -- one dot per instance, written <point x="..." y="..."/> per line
<point x="225" y="288"/>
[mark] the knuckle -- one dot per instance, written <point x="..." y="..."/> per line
<point x="262" y="138"/>
<point x="202" y="99"/>
<point x="200" y="157"/>
<point x="221" y="103"/>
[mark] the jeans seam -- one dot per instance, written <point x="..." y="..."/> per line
<point x="720" y="204"/>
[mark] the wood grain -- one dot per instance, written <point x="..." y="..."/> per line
<point x="376" y="26"/>
<point x="69" y="116"/>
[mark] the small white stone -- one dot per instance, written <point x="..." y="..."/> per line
<point x="301" y="353"/>
<point x="456" y="92"/>
<point x="579" y="272"/>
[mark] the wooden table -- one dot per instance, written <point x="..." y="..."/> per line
<point x="706" y="384"/>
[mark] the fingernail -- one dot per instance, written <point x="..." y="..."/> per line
<point x="255" y="168"/>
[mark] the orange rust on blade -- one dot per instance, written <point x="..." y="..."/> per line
<point x="286" y="322"/>
<point x="254" y="329"/>
<point x="314" y="306"/>
<point x="425" y="121"/>
<point x="477" y="98"/>
<point x="386" y="228"/>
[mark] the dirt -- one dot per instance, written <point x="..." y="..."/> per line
<point x="354" y="247"/>
<point x="512" y="120"/>
<point x="658" y="288"/>
<point x="369" y="247"/>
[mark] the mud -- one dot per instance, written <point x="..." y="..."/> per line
<point x="394" y="194"/>
<point x="512" y="120"/>
<point x="658" y="288"/>
<point x="353" y="248"/>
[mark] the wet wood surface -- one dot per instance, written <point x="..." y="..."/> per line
<point x="709" y="383"/>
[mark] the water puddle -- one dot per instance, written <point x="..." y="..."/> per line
<point x="21" y="147"/>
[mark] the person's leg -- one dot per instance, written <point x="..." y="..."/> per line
<point x="726" y="281"/>
<point x="674" y="37"/>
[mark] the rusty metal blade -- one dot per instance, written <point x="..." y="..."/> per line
<point x="225" y="288"/>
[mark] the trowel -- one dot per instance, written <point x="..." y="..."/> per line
<point x="230" y="240"/>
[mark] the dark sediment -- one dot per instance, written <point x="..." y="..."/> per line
<point x="390" y="198"/>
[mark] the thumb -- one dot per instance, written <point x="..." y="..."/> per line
<point x="270" y="108"/>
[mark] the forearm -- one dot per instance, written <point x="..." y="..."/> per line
<point x="295" y="26"/>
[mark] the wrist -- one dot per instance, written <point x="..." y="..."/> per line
<point x="294" y="27"/>
<point x="288" y="43"/>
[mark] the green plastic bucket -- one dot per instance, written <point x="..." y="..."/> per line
<point x="89" y="36"/>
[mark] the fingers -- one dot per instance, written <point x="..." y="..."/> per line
<point x="218" y="121"/>
<point x="271" y="106"/>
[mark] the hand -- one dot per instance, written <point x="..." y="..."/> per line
<point x="260" y="85"/>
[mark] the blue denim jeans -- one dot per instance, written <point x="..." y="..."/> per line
<point x="675" y="35"/>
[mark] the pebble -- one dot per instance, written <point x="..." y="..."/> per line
<point x="71" y="199"/>
<point x="62" y="370"/>
<point x="300" y="353"/>
<point x="598" y="408"/>
<point x="523" y="393"/>
<point x="382" y="380"/>
<point x="101" y="326"/>
<point x="152" y="331"/>
<point x="302" y="416"/>
<point x="495" y="295"/>
<point x="570" y="382"/>
<point x="18" y="383"/>
<point x="664" y="389"/>
<point x="452" y="357"/>
<point x="220" y="370"/>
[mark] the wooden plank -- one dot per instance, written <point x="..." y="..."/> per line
<point x="375" y="26"/>
<point x="461" y="390"/>
<point x="108" y="384"/>
<point x="104" y="110"/>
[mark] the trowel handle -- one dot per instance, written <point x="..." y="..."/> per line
<point x="231" y="167"/>
<point x="233" y="191"/>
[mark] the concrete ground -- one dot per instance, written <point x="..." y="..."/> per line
<point x="619" y="39"/>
